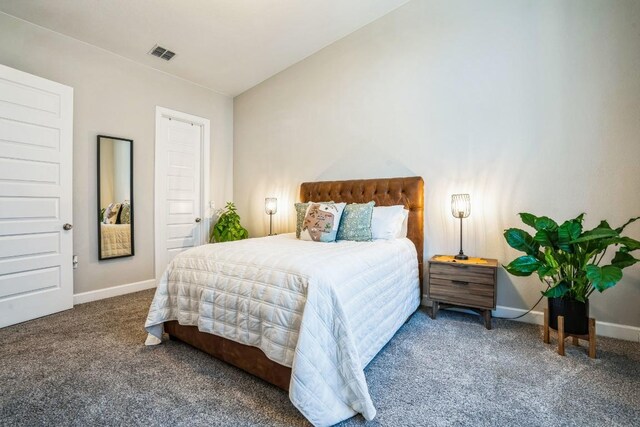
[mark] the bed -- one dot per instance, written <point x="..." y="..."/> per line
<point x="304" y="316"/>
<point x="115" y="240"/>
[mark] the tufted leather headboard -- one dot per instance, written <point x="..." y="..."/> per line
<point x="385" y="192"/>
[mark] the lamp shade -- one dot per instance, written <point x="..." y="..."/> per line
<point x="270" y="205"/>
<point x="460" y="205"/>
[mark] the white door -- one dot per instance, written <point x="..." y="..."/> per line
<point x="182" y="153"/>
<point x="36" y="141"/>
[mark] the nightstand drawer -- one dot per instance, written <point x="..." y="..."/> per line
<point x="467" y="273"/>
<point x="461" y="292"/>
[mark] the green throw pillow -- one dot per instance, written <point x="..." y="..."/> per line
<point x="356" y="222"/>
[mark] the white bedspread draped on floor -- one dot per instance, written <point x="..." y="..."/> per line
<point x="324" y="309"/>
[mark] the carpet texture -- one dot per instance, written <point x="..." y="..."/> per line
<point x="88" y="366"/>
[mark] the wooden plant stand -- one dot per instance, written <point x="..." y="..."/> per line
<point x="575" y="339"/>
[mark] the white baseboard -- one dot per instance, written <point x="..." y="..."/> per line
<point x="605" y="329"/>
<point x="113" y="291"/>
<point x="535" y="317"/>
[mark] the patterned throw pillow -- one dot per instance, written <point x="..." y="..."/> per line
<point x="125" y="213"/>
<point x="111" y="213"/>
<point x="321" y="222"/>
<point x="356" y="222"/>
<point x="301" y="211"/>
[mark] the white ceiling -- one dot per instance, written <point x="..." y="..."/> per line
<point x="225" y="45"/>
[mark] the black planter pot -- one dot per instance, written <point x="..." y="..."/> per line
<point x="576" y="315"/>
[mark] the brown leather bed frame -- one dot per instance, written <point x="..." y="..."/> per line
<point x="385" y="192"/>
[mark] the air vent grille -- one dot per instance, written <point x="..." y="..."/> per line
<point x="168" y="55"/>
<point x="162" y="53"/>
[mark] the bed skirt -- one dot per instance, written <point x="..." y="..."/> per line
<point x="250" y="359"/>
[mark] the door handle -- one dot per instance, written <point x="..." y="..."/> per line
<point x="198" y="219"/>
<point x="67" y="226"/>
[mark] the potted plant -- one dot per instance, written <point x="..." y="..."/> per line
<point x="568" y="260"/>
<point x="228" y="227"/>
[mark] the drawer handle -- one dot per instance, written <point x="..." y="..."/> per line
<point x="459" y="282"/>
<point x="459" y="265"/>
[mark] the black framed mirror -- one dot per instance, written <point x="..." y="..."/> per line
<point x="115" y="197"/>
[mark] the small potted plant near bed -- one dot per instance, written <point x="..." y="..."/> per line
<point x="228" y="227"/>
<point x="568" y="261"/>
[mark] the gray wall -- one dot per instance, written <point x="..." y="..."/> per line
<point x="115" y="96"/>
<point x="527" y="105"/>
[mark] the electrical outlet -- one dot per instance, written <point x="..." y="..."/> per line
<point x="212" y="205"/>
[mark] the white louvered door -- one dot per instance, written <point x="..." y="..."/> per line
<point x="36" y="162"/>
<point x="181" y="223"/>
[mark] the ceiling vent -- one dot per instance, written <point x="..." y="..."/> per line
<point x="162" y="53"/>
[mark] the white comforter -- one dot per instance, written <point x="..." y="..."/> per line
<point x="324" y="309"/>
<point x="115" y="240"/>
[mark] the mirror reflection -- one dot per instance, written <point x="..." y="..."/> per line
<point x="115" y="197"/>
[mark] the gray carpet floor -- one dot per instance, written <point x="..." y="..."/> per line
<point x="89" y="367"/>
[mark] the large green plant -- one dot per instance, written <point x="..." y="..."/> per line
<point x="567" y="259"/>
<point x="228" y="227"/>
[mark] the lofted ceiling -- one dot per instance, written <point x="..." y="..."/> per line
<point x="225" y="45"/>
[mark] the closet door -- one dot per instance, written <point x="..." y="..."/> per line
<point x="36" y="161"/>
<point x="182" y="152"/>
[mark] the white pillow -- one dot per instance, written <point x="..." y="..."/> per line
<point x="404" y="230"/>
<point x="386" y="221"/>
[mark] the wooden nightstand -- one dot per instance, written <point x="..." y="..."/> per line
<point x="469" y="284"/>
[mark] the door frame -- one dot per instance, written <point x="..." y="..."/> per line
<point x="159" y="194"/>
